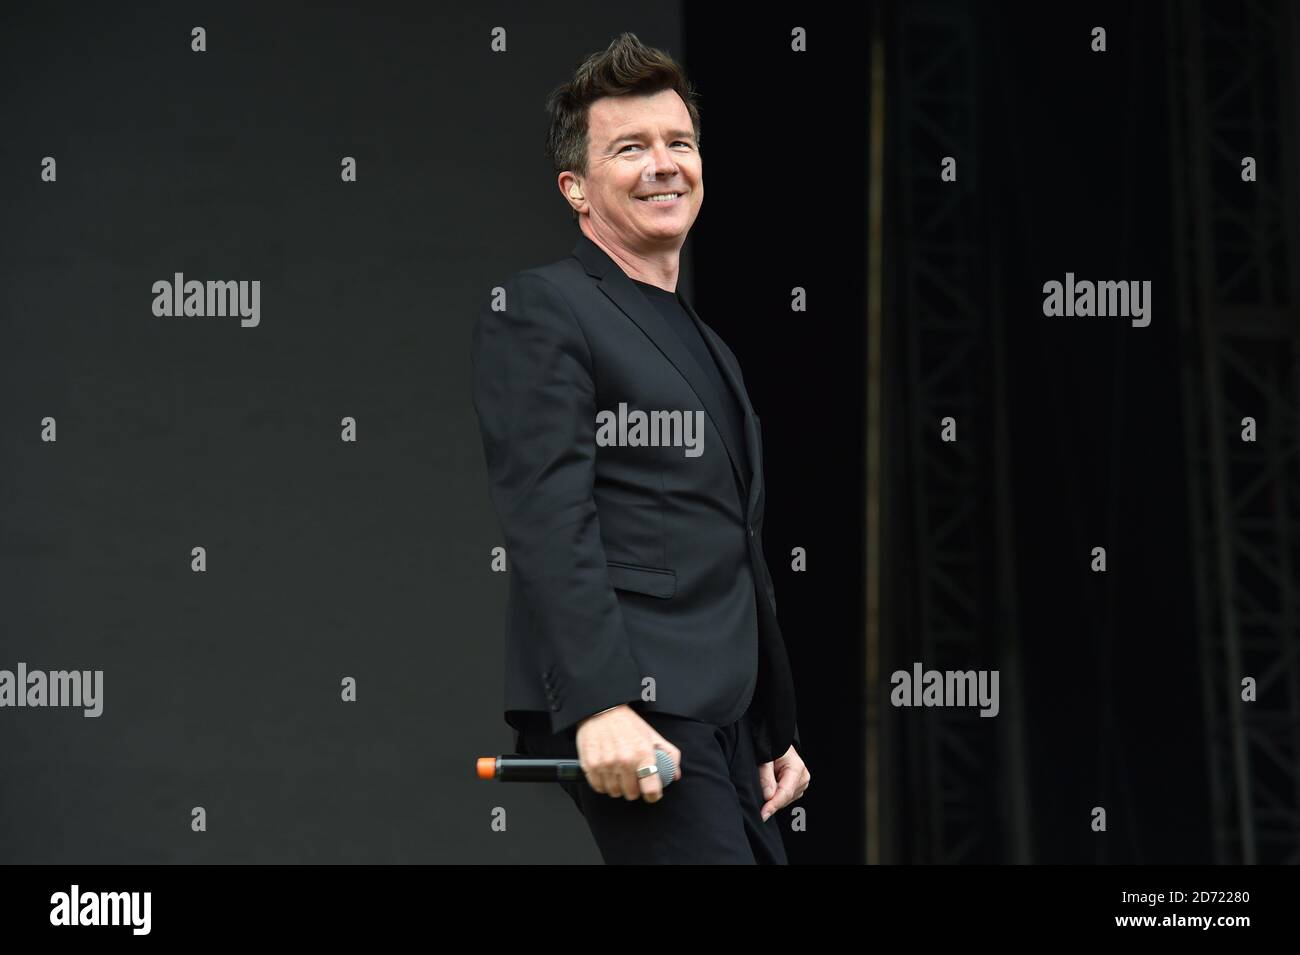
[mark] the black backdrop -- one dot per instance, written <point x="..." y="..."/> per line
<point x="328" y="559"/>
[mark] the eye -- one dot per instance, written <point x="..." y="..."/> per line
<point x="679" y="142"/>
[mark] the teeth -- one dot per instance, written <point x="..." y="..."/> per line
<point x="663" y="196"/>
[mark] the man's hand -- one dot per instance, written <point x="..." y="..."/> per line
<point x="782" y="781"/>
<point x="611" y="747"/>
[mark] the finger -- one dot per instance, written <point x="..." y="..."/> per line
<point x="620" y="783"/>
<point x="613" y="779"/>
<point x="767" y="780"/>
<point x="585" y="764"/>
<point x="596" y="770"/>
<point x="652" y="789"/>
<point x="803" y="786"/>
<point x="783" y="795"/>
<point x="629" y="784"/>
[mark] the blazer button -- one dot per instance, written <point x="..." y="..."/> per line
<point x="751" y="530"/>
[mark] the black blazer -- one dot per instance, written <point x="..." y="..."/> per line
<point x="625" y="563"/>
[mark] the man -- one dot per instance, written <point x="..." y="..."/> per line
<point x="641" y="612"/>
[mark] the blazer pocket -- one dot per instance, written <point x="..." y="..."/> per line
<point x="654" y="581"/>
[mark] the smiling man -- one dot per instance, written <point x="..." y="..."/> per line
<point x="641" y="611"/>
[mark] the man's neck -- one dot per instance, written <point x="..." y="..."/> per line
<point x="657" y="267"/>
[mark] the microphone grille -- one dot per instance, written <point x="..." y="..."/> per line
<point x="667" y="768"/>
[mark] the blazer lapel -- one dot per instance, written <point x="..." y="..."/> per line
<point x="732" y="374"/>
<point x="620" y="290"/>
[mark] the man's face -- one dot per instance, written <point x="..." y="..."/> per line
<point x="638" y="146"/>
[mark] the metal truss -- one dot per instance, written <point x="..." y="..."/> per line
<point x="1233" y="85"/>
<point x="965" y="797"/>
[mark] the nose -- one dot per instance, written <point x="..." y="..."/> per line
<point x="661" y="163"/>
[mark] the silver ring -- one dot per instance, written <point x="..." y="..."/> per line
<point x="644" y="771"/>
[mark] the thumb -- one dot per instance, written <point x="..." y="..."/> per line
<point x="767" y="779"/>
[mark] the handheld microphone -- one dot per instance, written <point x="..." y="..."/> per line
<point x="531" y="769"/>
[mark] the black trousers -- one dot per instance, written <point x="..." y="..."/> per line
<point x="709" y="816"/>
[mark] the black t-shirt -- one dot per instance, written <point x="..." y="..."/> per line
<point x="682" y="323"/>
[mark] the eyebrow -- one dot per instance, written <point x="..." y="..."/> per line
<point x="640" y="134"/>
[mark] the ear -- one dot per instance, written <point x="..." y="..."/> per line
<point x="572" y="190"/>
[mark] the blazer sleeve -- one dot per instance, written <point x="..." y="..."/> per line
<point x="535" y="397"/>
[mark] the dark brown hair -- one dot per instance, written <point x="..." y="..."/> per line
<point x="626" y="67"/>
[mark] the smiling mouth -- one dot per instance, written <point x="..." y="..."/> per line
<point x="662" y="199"/>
